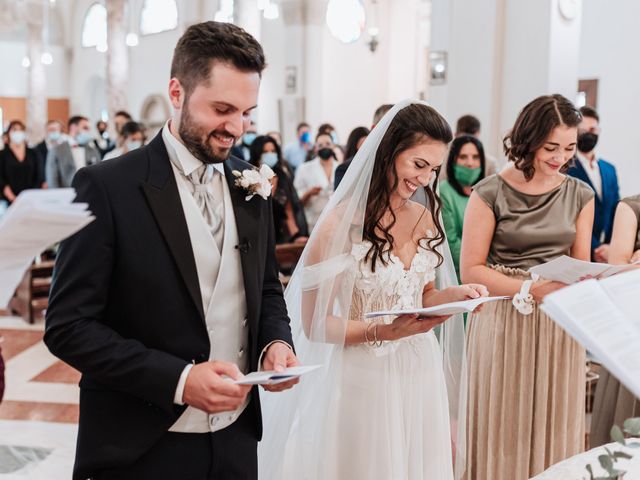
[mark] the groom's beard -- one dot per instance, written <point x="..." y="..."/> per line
<point x="198" y="140"/>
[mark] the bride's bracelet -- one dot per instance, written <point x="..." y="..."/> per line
<point x="375" y="342"/>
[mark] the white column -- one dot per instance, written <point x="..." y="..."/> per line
<point x="248" y="16"/>
<point x="117" y="56"/>
<point x="37" y="96"/>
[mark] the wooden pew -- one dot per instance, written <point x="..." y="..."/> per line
<point x="32" y="295"/>
<point x="287" y="256"/>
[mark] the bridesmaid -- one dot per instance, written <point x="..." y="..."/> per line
<point x="613" y="403"/>
<point x="526" y="375"/>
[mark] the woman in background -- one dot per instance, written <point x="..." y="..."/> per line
<point x="20" y="168"/>
<point x="465" y="167"/>
<point x="288" y="213"/>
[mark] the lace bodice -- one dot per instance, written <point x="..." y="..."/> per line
<point x="391" y="286"/>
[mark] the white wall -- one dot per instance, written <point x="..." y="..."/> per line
<point x="609" y="52"/>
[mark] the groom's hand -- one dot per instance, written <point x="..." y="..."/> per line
<point x="278" y="357"/>
<point x="206" y="389"/>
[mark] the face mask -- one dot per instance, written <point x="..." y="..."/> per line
<point x="270" y="159"/>
<point x="587" y="141"/>
<point x="466" y="176"/>
<point x="334" y="137"/>
<point x="17" y="136"/>
<point x="249" y="137"/>
<point x="54" y="136"/>
<point x="325" y="153"/>
<point x="83" y="138"/>
<point x="132" y="145"/>
<point x="305" y="137"/>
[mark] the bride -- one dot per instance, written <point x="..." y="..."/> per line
<point x="385" y="404"/>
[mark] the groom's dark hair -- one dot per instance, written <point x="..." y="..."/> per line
<point x="208" y="42"/>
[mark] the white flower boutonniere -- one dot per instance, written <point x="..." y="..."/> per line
<point x="255" y="182"/>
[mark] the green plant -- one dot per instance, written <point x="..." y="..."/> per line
<point x="608" y="461"/>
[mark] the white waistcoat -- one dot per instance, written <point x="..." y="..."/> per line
<point x="223" y="299"/>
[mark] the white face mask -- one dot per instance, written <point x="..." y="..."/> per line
<point x="17" y="136"/>
<point x="132" y="145"/>
<point x="54" y="136"/>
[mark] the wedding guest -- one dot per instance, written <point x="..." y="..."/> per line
<point x="354" y="142"/>
<point x="465" y="166"/>
<point x="470" y="125"/>
<point x="601" y="177"/>
<point x="53" y="138"/>
<point x="20" y="168"/>
<point x="288" y="212"/>
<point x="132" y="138"/>
<point x="295" y="153"/>
<point x="314" y="179"/>
<point x="330" y="130"/>
<point x="613" y="403"/>
<point x="71" y="155"/>
<point x="526" y="399"/>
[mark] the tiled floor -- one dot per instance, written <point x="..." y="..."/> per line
<point x="39" y="413"/>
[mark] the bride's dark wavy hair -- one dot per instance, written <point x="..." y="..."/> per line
<point x="414" y="124"/>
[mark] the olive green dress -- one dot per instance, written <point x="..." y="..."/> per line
<point x="613" y="403"/>
<point x="526" y="399"/>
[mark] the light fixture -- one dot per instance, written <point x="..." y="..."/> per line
<point x="132" y="39"/>
<point x="272" y="12"/>
<point x="26" y="62"/>
<point x="373" y="30"/>
<point x="46" y="58"/>
<point x="345" y="19"/>
<point x="102" y="47"/>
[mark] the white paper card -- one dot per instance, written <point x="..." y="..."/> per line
<point x="570" y="270"/>
<point x="465" y="306"/>
<point x="271" y="377"/>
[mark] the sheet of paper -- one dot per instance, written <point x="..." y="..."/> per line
<point x="271" y="377"/>
<point x="465" y="306"/>
<point x="594" y="319"/>
<point x="35" y="221"/>
<point x="570" y="270"/>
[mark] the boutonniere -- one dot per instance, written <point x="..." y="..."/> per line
<point x="254" y="181"/>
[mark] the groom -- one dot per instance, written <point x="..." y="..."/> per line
<point x="173" y="290"/>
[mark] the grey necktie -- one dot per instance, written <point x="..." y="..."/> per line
<point x="209" y="196"/>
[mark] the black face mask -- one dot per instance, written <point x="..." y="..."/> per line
<point x="587" y="141"/>
<point x="325" y="153"/>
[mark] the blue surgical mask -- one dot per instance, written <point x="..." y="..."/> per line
<point x="132" y="145"/>
<point x="54" y="136"/>
<point x="305" y="137"/>
<point x="83" y="138"/>
<point x="249" y="137"/>
<point x="269" y="159"/>
<point x="17" y="136"/>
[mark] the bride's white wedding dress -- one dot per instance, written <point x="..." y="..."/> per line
<point x="393" y="414"/>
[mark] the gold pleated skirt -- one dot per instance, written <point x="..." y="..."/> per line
<point x="526" y="404"/>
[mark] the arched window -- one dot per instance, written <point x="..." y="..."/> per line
<point x="94" y="28"/>
<point x="158" y="16"/>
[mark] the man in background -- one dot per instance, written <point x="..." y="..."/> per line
<point x="603" y="179"/>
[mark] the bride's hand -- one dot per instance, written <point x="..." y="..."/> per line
<point x="407" y="325"/>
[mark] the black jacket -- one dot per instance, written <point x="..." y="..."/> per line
<point x="125" y="306"/>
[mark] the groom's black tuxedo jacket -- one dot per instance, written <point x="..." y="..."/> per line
<point x="125" y="306"/>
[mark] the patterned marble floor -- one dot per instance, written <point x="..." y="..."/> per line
<point x="39" y="412"/>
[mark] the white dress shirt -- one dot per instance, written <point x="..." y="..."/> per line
<point x="593" y="172"/>
<point x="79" y="154"/>
<point x="312" y="174"/>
